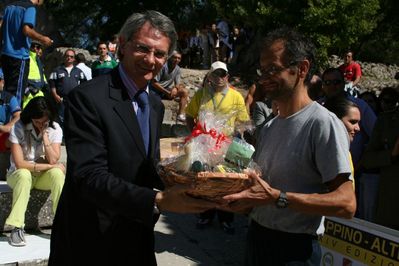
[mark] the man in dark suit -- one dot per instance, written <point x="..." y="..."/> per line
<point x="106" y="213"/>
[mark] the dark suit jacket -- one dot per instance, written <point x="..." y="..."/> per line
<point x="105" y="214"/>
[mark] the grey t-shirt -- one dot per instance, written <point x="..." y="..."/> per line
<point x="300" y="154"/>
<point x="168" y="79"/>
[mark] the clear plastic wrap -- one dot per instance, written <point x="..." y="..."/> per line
<point x="213" y="162"/>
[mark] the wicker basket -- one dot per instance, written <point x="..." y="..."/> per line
<point x="207" y="185"/>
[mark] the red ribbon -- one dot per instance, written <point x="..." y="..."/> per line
<point x="199" y="130"/>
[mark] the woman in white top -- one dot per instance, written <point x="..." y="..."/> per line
<point x="35" y="151"/>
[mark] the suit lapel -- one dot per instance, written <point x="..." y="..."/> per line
<point x="126" y="113"/>
<point x="124" y="109"/>
<point x="153" y="127"/>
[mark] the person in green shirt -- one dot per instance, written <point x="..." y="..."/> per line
<point x="104" y="64"/>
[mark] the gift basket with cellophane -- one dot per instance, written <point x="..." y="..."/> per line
<point x="213" y="162"/>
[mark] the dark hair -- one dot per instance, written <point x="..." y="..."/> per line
<point x="35" y="45"/>
<point x="369" y="93"/>
<point x="80" y="58"/>
<point x="297" y="48"/>
<point x="349" y="51"/>
<point x="37" y="108"/>
<point x="157" y="20"/>
<point x="339" y="106"/>
<point x="334" y="70"/>
<point x="115" y="37"/>
<point x="390" y="92"/>
<point x="375" y="99"/>
<point x="102" y="42"/>
<point x="315" y="87"/>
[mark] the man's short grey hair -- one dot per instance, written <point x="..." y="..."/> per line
<point x="157" y="20"/>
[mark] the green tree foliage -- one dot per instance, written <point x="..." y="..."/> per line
<point x="339" y="25"/>
<point x="382" y="45"/>
<point x="334" y="25"/>
<point x="84" y="23"/>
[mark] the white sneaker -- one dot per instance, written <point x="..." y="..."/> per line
<point x="181" y="117"/>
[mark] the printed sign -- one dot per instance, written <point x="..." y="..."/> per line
<point x="356" y="242"/>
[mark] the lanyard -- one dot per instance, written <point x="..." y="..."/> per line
<point x="215" y="108"/>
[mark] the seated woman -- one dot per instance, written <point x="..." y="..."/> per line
<point x="35" y="151"/>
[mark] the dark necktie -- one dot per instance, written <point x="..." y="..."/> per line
<point x="143" y="116"/>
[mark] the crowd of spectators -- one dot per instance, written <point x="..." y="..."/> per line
<point x="369" y="123"/>
<point x="219" y="41"/>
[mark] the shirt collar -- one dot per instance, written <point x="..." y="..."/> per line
<point x="131" y="86"/>
<point x="29" y="127"/>
<point x="106" y="59"/>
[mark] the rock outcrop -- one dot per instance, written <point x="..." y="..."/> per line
<point x="375" y="76"/>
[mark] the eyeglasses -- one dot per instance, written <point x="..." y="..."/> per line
<point x="69" y="56"/>
<point x="273" y="70"/>
<point x="332" y="82"/>
<point x="144" y="49"/>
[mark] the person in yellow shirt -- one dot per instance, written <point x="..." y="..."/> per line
<point x="218" y="96"/>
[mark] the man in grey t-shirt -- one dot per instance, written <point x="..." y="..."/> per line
<point x="167" y="84"/>
<point x="304" y="156"/>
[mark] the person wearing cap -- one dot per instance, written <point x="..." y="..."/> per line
<point x="219" y="96"/>
<point x="17" y="33"/>
<point x="167" y="84"/>
<point x="9" y="115"/>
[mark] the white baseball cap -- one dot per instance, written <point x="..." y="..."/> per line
<point x="218" y="65"/>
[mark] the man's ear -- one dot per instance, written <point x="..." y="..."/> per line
<point x="303" y="68"/>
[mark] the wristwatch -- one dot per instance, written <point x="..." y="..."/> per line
<point x="282" y="201"/>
